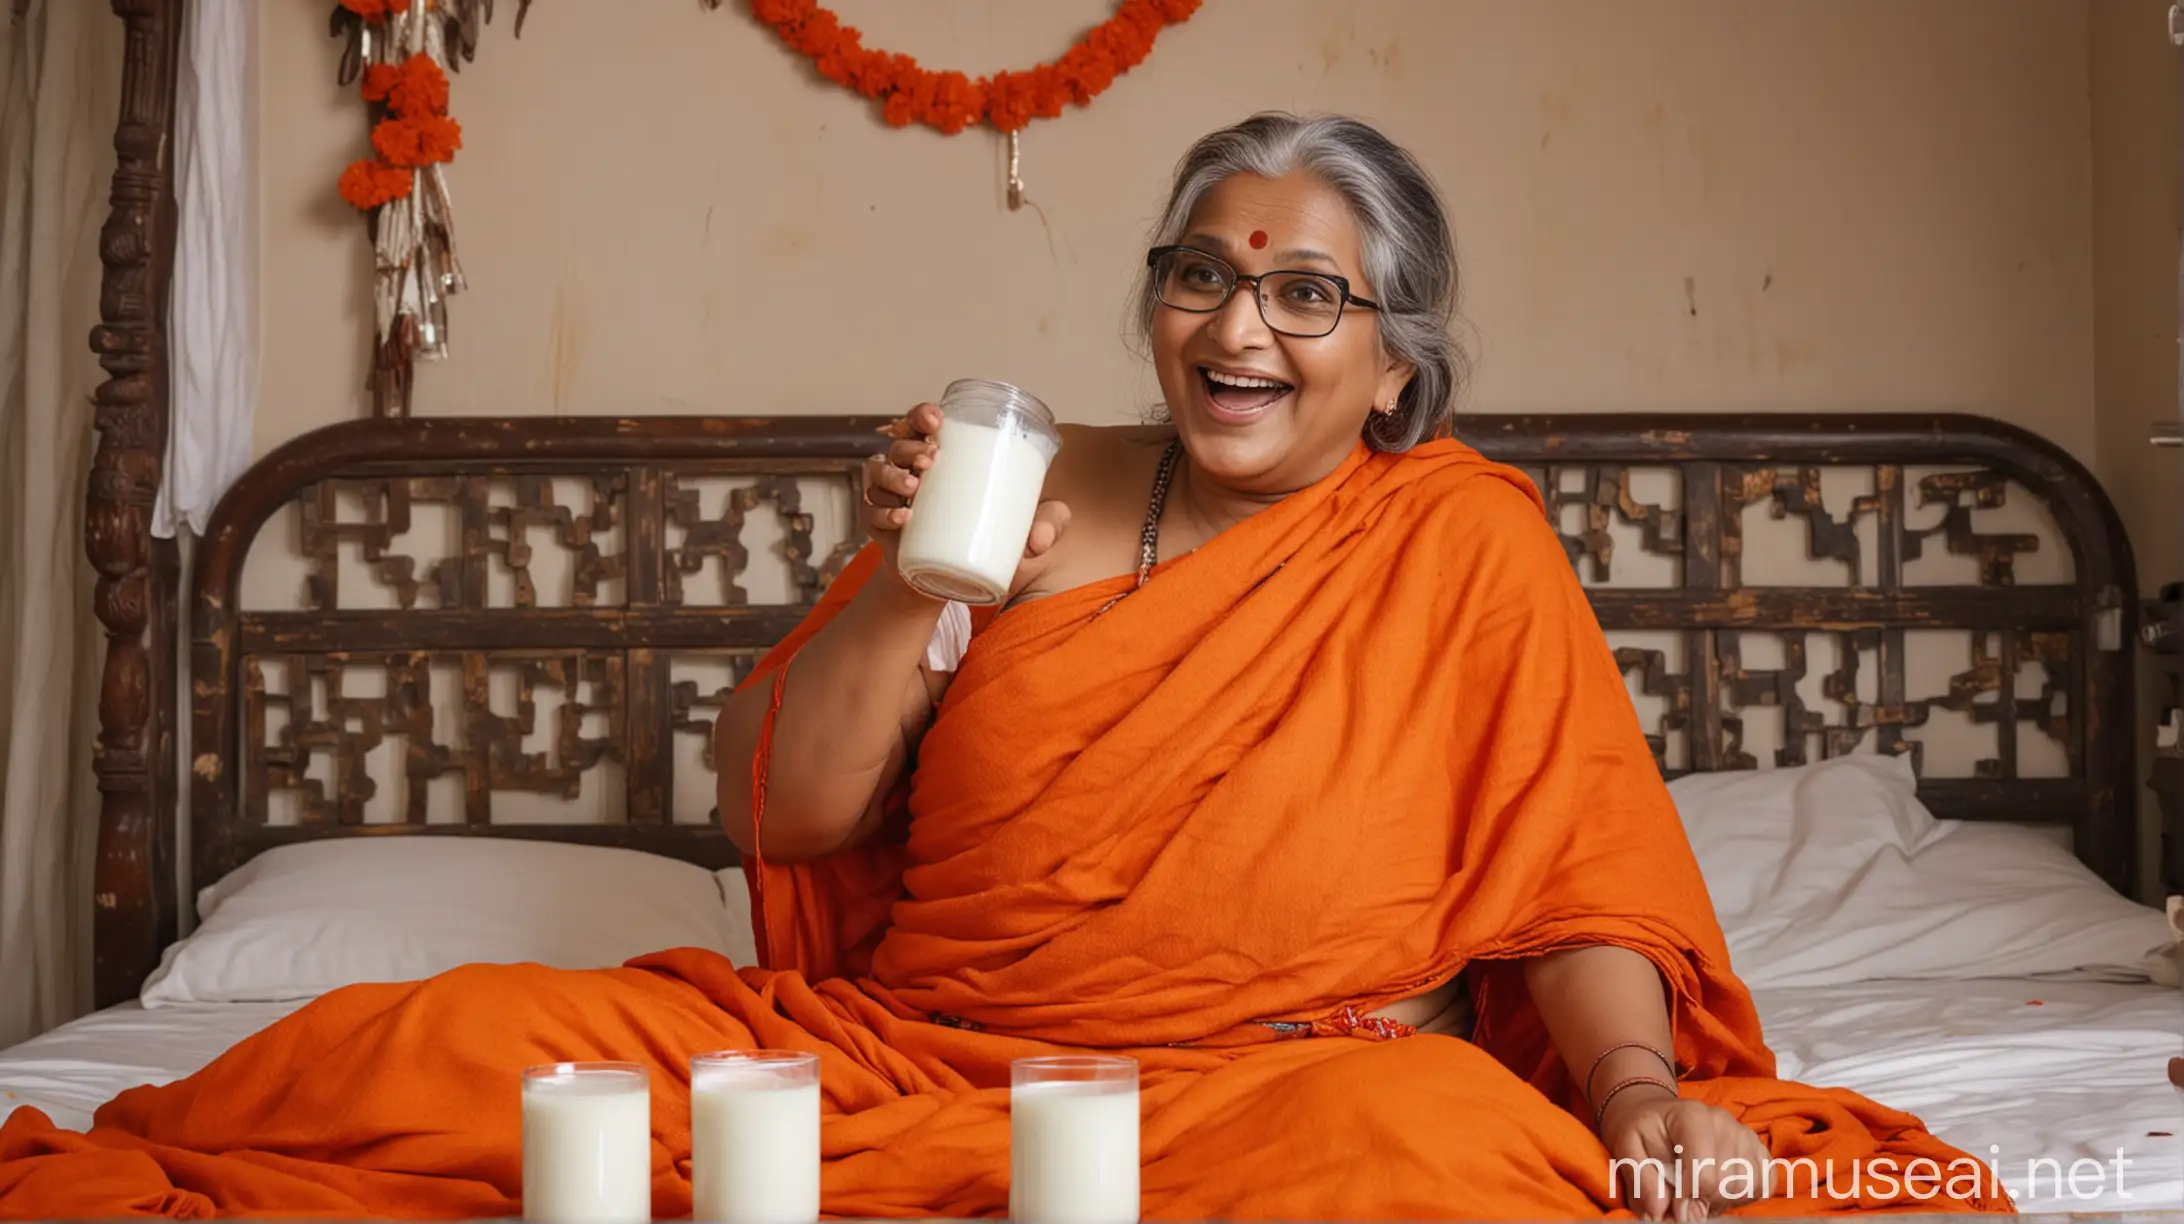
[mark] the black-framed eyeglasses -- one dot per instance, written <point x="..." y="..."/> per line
<point x="1304" y="304"/>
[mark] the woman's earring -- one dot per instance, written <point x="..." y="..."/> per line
<point x="1386" y="427"/>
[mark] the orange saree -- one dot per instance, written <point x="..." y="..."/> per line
<point x="1363" y="743"/>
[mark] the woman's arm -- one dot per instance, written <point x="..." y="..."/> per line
<point x="858" y="696"/>
<point x="1667" y="1155"/>
<point x="1594" y="999"/>
<point x="853" y="704"/>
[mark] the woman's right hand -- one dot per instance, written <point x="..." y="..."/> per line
<point x="891" y="479"/>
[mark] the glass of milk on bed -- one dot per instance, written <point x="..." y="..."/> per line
<point x="754" y="1137"/>
<point x="1073" y="1140"/>
<point x="587" y="1143"/>
<point x="972" y="511"/>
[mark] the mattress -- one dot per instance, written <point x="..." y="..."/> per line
<point x="72" y="1070"/>
<point x="2036" y="1078"/>
<point x="2039" y="1079"/>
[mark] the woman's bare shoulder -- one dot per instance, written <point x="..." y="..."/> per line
<point x="1097" y="459"/>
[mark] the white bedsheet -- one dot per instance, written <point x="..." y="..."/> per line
<point x="72" y="1070"/>
<point x="2012" y="1072"/>
<point x="2079" y="1077"/>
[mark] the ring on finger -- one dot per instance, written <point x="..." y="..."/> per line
<point x="871" y="478"/>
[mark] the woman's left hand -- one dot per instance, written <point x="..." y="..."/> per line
<point x="1680" y="1159"/>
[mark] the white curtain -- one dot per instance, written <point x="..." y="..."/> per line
<point x="60" y="85"/>
<point x="213" y="312"/>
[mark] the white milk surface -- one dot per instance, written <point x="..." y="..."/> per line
<point x="587" y="1153"/>
<point x="754" y="1153"/>
<point x="972" y="512"/>
<point x="1073" y="1154"/>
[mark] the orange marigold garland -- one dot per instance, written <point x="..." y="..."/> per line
<point x="419" y="87"/>
<point x="415" y="141"/>
<point x="379" y="81"/>
<point x="398" y="54"/>
<point x="951" y="101"/>
<point x="416" y="86"/>
<point x="369" y="183"/>
<point x="415" y="130"/>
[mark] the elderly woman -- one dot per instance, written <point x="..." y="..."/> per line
<point x="1294" y="767"/>
<point x="1295" y="725"/>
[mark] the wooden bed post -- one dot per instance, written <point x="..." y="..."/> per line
<point x="134" y="915"/>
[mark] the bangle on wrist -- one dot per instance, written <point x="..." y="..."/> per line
<point x="1594" y="1070"/>
<point x="1600" y="1111"/>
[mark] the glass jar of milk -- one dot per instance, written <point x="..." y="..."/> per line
<point x="972" y="512"/>
<point x="1073" y="1140"/>
<point x="754" y="1137"/>
<point x="587" y="1143"/>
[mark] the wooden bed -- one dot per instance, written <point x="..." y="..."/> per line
<point x="2038" y="660"/>
<point x="520" y="626"/>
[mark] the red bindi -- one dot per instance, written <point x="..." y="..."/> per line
<point x="1258" y="240"/>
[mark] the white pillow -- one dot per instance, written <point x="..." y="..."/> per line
<point x="735" y="890"/>
<point x="1832" y="873"/>
<point x="300" y="920"/>
<point x="1779" y="844"/>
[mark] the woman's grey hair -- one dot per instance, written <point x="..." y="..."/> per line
<point x="1403" y="237"/>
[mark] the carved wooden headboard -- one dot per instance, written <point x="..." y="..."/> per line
<point x="520" y="627"/>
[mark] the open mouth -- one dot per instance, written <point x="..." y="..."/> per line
<point x="1240" y="396"/>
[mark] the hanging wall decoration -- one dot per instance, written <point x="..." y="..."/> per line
<point x="950" y="101"/>
<point x="398" y="53"/>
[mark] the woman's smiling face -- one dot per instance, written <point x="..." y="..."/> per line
<point x="1258" y="410"/>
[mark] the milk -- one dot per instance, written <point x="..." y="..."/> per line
<point x="587" y="1149"/>
<point x="972" y="512"/>
<point x="754" y="1152"/>
<point x="1073" y="1153"/>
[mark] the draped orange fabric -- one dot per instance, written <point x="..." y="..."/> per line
<point x="1364" y="742"/>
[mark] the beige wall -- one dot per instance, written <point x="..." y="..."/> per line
<point x="2135" y="220"/>
<point x="2136" y="211"/>
<point x="1706" y="204"/>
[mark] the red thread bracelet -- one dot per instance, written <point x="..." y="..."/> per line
<point x="1594" y="1070"/>
<point x="1600" y="1112"/>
